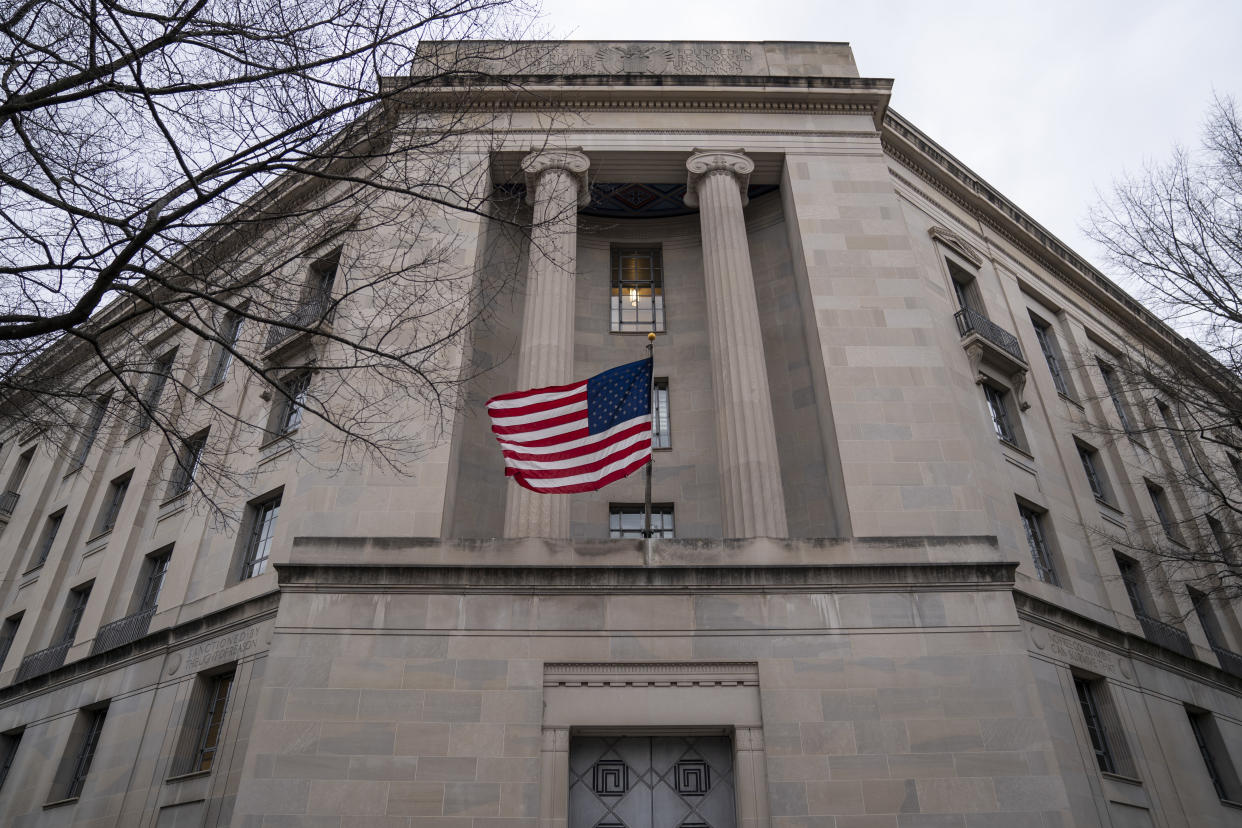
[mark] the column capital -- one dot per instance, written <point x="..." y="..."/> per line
<point x="704" y="162"/>
<point x="571" y="159"/>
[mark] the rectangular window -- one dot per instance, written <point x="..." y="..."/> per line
<point x="9" y="743"/>
<point x="1161" y="505"/>
<point x="1216" y="758"/>
<point x="287" y="415"/>
<point x="323" y="276"/>
<point x="1094" y="720"/>
<point x="1207" y="619"/>
<point x="93" y="424"/>
<point x="1113" y="387"/>
<point x="998" y="408"/>
<point x="1052" y="353"/>
<point x="211" y="722"/>
<point x="155" y="568"/>
<point x="230" y="333"/>
<point x="75" y="765"/>
<point x="113" y="501"/>
<point x="1091" y="468"/>
<point x="1175" y="435"/>
<point x="1220" y="537"/>
<point x="1132" y="577"/>
<point x="160" y="372"/>
<point x="661" y="426"/>
<point x="627" y="520"/>
<point x="258" y="544"/>
<point x="8" y="633"/>
<point x="19" y="471"/>
<point x="965" y="288"/>
<point x="74" y="608"/>
<point x="1041" y="554"/>
<point x="186" y="464"/>
<point x="47" y="538"/>
<point x="637" y="289"/>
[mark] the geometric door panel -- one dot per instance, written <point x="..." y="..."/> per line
<point x="651" y="782"/>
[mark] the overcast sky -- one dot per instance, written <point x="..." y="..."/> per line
<point x="1048" y="101"/>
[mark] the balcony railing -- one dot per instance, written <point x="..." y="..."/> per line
<point x="971" y="321"/>
<point x="122" y="631"/>
<point x="1230" y="661"/>
<point x="306" y="316"/>
<point x="44" y="661"/>
<point x="8" y="502"/>
<point x="1166" y="635"/>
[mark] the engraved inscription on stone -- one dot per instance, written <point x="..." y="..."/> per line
<point x="1081" y="654"/>
<point x="221" y="650"/>
<point x="651" y="59"/>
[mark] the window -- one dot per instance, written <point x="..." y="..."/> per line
<point x="1207" y="619"/>
<point x="50" y="529"/>
<point x="998" y="407"/>
<point x="1103" y="728"/>
<point x="287" y="415"/>
<point x="1111" y="384"/>
<point x="9" y="742"/>
<point x="637" y="289"/>
<point x="74" y="608"/>
<point x="965" y="288"/>
<point x="204" y="725"/>
<point x="186" y="464"/>
<point x="1220" y="537"/>
<point x="1220" y="768"/>
<point x="8" y="633"/>
<point x="1041" y="555"/>
<point x="19" y="471"/>
<point x="258" y="538"/>
<point x="323" y="276"/>
<point x="160" y="372"/>
<point x="112" y="503"/>
<point x="1052" y="353"/>
<point x="93" y="424"/>
<point x="79" y="753"/>
<point x="1161" y="505"/>
<point x="229" y="332"/>
<point x="1175" y="435"/>
<point x="154" y="569"/>
<point x="1091" y="468"/>
<point x="1132" y="577"/>
<point x="661" y="426"/>
<point x="1236" y="465"/>
<point x="627" y="520"/>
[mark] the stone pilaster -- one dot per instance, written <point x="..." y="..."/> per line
<point x="556" y="186"/>
<point x="753" y="504"/>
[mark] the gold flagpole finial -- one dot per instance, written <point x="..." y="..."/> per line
<point x="651" y="337"/>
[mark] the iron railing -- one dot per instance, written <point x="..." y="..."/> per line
<point x="44" y="661"/>
<point x="8" y="502"/>
<point x="1166" y="635"/>
<point x="122" y="631"/>
<point x="305" y="316"/>
<point x="971" y="321"/>
<point x="1230" y="661"/>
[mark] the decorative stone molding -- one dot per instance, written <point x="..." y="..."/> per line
<point x="956" y="243"/>
<point x="570" y="159"/>
<point x="978" y="354"/>
<point x="705" y="162"/>
<point x="658" y="674"/>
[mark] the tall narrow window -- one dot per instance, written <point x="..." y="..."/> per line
<point x="1132" y="577"/>
<point x="1052" y="353"/>
<point x="160" y="372"/>
<point x="1041" y="554"/>
<point x="323" y="276"/>
<point x="155" y="569"/>
<point x="637" y="289"/>
<point x="1224" y="544"/>
<point x="1087" y="700"/>
<point x="1091" y="468"/>
<point x="230" y="333"/>
<point x="1175" y="435"/>
<point x="661" y="425"/>
<point x="93" y="423"/>
<point x="113" y="501"/>
<point x="8" y="633"/>
<point x="47" y="538"/>
<point x="9" y="743"/>
<point x="186" y="464"/>
<point x="965" y="289"/>
<point x="74" y="609"/>
<point x="627" y="520"/>
<point x="1216" y="757"/>
<point x="19" y="470"/>
<point x="75" y="766"/>
<point x="213" y="720"/>
<point x="258" y="545"/>
<point x="1111" y="384"/>
<point x="287" y="415"/>
<point x="1161" y="505"/>
<point x="998" y="408"/>
<point x="1207" y="619"/>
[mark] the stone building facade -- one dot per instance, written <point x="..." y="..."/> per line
<point x="881" y="597"/>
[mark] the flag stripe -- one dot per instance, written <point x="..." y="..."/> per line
<point x="577" y="448"/>
<point x="588" y="483"/>
<point x="543" y="424"/>
<point x="507" y="414"/>
<point x="582" y="463"/>
<point x="517" y="399"/>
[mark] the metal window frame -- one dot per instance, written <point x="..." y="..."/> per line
<point x="186" y="463"/>
<point x="1037" y="540"/>
<point x="1096" y="731"/>
<point x="296" y="387"/>
<point x="51" y="528"/>
<point x="224" y="359"/>
<point x="11" y="742"/>
<point x="208" y="742"/>
<point x="618" y="284"/>
<point x="1045" y="337"/>
<point x="1159" y="503"/>
<point x="162" y="372"/>
<point x="99" y="410"/>
<point x="253" y="564"/>
<point x="153" y="583"/>
<point x="73" y="616"/>
<point x="86" y="753"/>
<point x="661" y="512"/>
<point x="117" y="490"/>
<point x="998" y="406"/>
<point x="1131" y="578"/>
<point x="661" y="439"/>
<point x="1088" y="455"/>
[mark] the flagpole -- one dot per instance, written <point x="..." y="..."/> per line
<point x="651" y="399"/>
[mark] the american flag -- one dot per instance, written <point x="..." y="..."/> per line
<point x="576" y="438"/>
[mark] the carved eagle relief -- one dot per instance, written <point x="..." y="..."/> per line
<point x="635" y="59"/>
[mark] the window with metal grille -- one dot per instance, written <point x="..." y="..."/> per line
<point x="113" y="501"/>
<point x="288" y="414"/>
<point x="75" y="765"/>
<point x="8" y="633"/>
<point x="1161" y="505"/>
<point x="186" y="464"/>
<point x="1041" y="554"/>
<point x="230" y="333"/>
<point x="626" y="520"/>
<point x="74" y="608"/>
<point x="637" y="289"/>
<point x="661" y="425"/>
<point x="47" y="538"/>
<point x="1091" y="468"/>
<point x="998" y="408"/>
<point x="1215" y="756"/>
<point x="160" y="372"/>
<point x="9" y="743"/>
<point x="1052" y="353"/>
<point x="258" y="538"/>
<point x="204" y="724"/>
<point x="1092" y="718"/>
<point x="94" y="423"/>
<point x="155" y="568"/>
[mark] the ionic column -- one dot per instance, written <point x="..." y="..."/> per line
<point x="556" y="186"/>
<point x="750" y="475"/>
